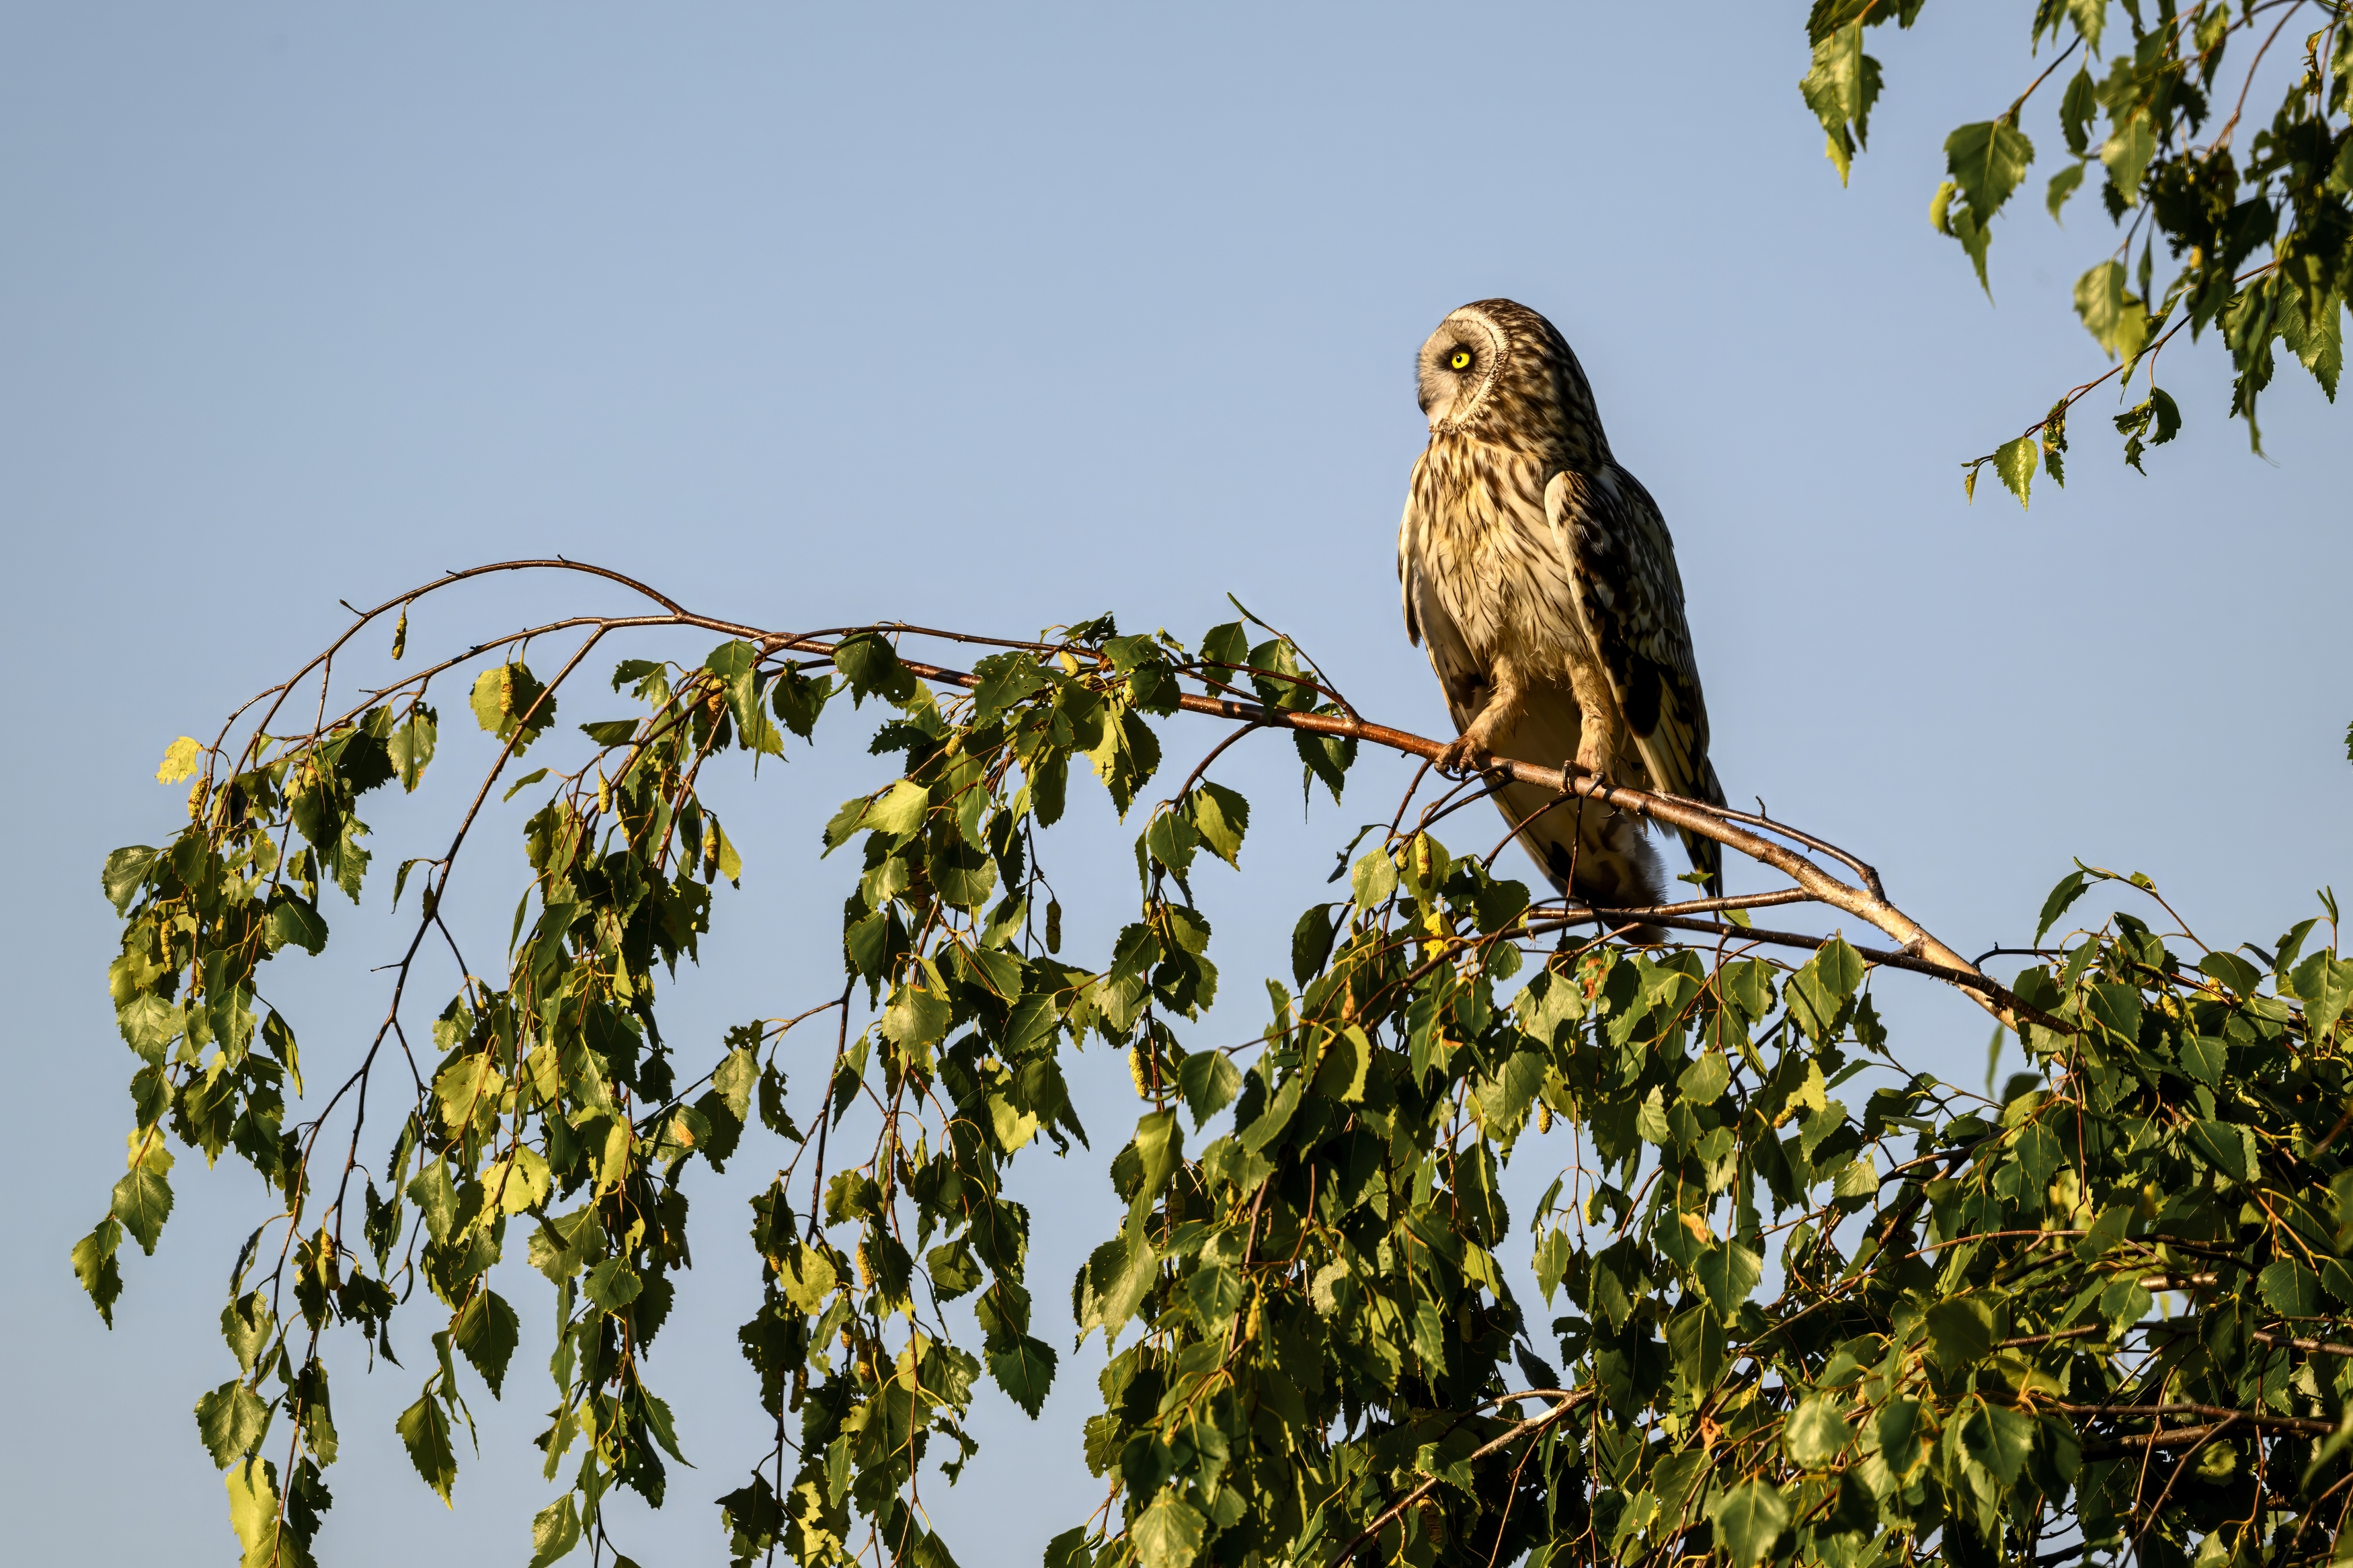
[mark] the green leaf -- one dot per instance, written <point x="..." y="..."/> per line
<point x="523" y="784"/>
<point x="125" y="873"/>
<point x="1310" y="942"/>
<point x="2232" y="971"/>
<point x="487" y="1333"/>
<point x="916" y="1018"/>
<point x="1068" y="1550"/>
<point x="964" y="876"/>
<point x="1374" y="879"/>
<point x="1650" y="1119"/>
<point x="2014" y="462"/>
<point x="246" y="1325"/>
<point x="2089" y="18"/>
<point x="2078" y="107"/>
<point x="2112" y="315"/>
<point x="1817" y="995"/>
<point x="809" y="1280"/>
<point x="1706" y="1079"/>
<point x="1160" y="1149"/>
<point x="424" y="1428"/>
<point x="1113" y="1282"/>
<point x="2224" y="1146"/>
<point x="1347" y="1057"/>
<point x="1960" y="1333"/>
<point x="1749" y="1519"/>
<point x="1025" y="1370"/>
<point x="411" y="746"/>
<point x="612" y="1285"/>
<point x="294" y="922"/>
<point x="1988" y="159"/>
<point x="1817" y="1433"/>
<point x="436" y="1197"/>
<point x="899" y="811"/>
<point x="2312" y="324"/>
<point x="798" y="701"/>
<point x="872" y="666"/>
<point x="1221" y="816"/>
<point x="142" y="1201"/>
<point x="2326" y="986"/>
<point x="2000" y="1439"/>
<point x="509" y="701"/>
<point x="2291" y="1289"/>
<point x="230" y="1419"/>
<point x="2130" y="147"/>
<point x="953" y="1269"/>
<point x="2071" y="888"/>
<point x="1006" y="680"/>
<point x="1729" y="1272"/>
<point x="554" y="1530"/>
<point x="2204" y="1058"/>
<point x="2062" y="185"/>
<point x="1904" y="1435"/>
<point x="1209" y="1081"/>
<point x="1840" y="88"/>
<point x="94" y="1265"/>
<point x="1168" y="1533"/>
<point x="1277" y="1115"/>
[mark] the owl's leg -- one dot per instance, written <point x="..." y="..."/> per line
<point x="1473" y="750"/>
<point x="1601" y="736"/>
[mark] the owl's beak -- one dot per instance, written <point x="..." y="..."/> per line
<point x="1434" y="403"/>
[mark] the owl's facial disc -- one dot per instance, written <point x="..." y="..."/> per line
<point x="1458" y="364"/>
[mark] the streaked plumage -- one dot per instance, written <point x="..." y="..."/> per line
<point x="1541" y="579"/>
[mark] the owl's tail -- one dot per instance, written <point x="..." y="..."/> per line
<point x="1707" y="854"/>
<point x="1594" y="853"/>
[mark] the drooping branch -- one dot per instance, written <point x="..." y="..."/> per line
<point x="1747" y="834"/>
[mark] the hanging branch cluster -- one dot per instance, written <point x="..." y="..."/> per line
<point x="2215" y="202"/>
<point x="2102" y="1312"/>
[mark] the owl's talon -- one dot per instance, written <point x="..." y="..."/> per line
<point x="1463" y="757"/>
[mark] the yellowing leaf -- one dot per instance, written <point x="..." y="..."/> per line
<point x="181" y="760"/>
<point x="253" y="1511"/>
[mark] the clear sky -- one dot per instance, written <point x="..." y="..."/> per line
<point x="813" y="315"/>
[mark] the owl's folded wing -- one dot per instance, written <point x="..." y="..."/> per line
<point x="1630" y="600"/>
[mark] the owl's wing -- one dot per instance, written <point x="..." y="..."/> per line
<point x="1630" y="600"/>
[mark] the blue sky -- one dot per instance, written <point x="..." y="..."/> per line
<point x="816" y="316"/>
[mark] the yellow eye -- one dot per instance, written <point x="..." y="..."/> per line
<point x="1459" y="359"/>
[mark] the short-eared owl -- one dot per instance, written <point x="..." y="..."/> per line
<point x="1541" y="577"/>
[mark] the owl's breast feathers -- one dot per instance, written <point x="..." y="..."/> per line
<point x="1477" y="537"/>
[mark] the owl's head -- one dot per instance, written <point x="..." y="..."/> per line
<point x="1497" y="370"/>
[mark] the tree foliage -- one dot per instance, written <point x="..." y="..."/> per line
<point x="2258" y="235"/>
<point x="1798" y="1301"/>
